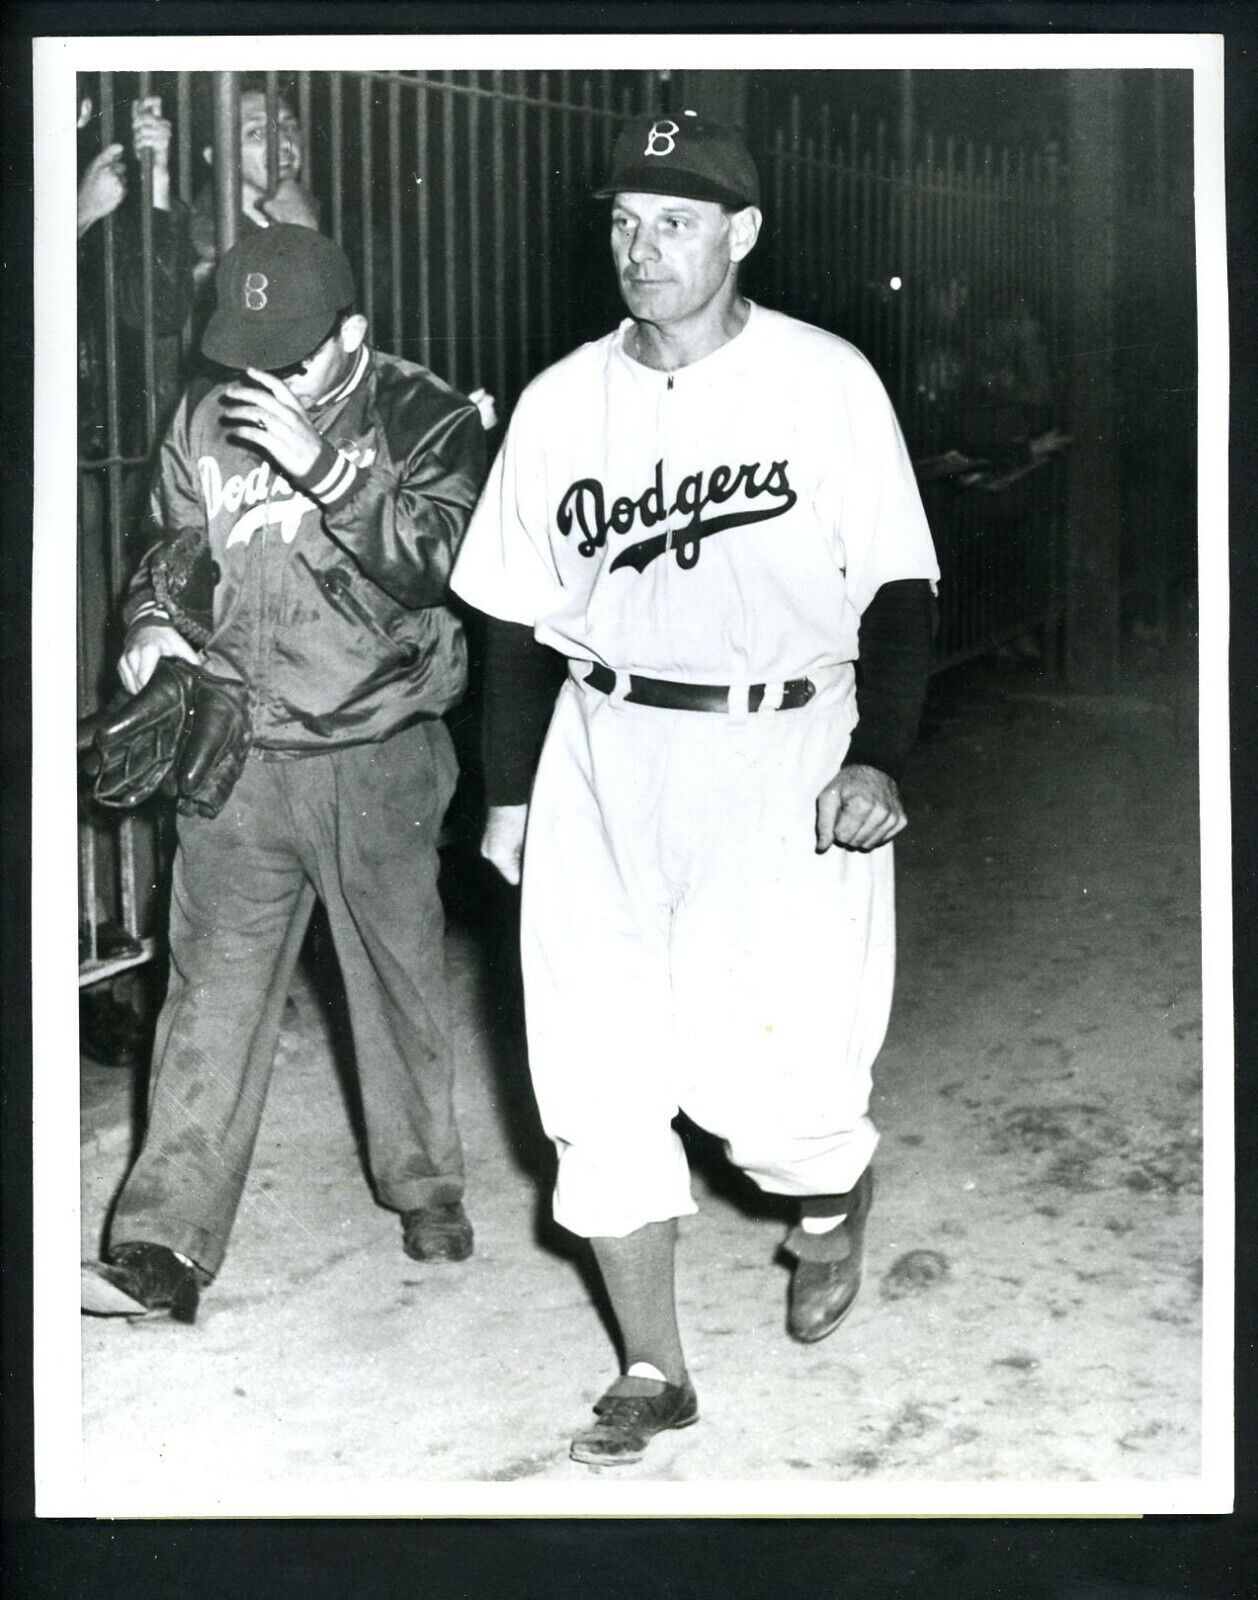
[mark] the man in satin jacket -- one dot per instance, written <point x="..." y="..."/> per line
<point x="324" y="487"/>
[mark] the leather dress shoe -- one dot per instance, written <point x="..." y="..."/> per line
<point x="827" y="1276"/>
<point x="437" y="1233"/>
<point x="139" y="1280"/>
<point x="629" y="1416"/>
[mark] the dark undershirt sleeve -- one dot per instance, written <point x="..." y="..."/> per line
<point x="522" y="679"/>
<point x="896" y="649"/>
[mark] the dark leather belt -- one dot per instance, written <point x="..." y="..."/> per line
<point x="670" y="696"/>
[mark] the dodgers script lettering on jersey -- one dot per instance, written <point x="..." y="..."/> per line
<point x="728" y="520"/>
<point x="585" y="503"/>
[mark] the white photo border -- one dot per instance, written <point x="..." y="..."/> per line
<point x="60" y="1487"/>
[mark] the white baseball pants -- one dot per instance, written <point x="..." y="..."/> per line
<point x="685" y="947"/>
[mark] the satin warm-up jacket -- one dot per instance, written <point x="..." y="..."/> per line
<point x="330" y="596"/>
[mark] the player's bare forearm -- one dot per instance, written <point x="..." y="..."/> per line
<point x="859" y="809"/>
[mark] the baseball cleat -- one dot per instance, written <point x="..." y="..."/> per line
<point x="629" y="1416"/>
<point x="827" y="1276"/>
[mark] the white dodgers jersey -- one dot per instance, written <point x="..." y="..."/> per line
<point x="729" y="521"/>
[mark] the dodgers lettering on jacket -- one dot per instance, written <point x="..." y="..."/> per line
<point x="333" y="607"/>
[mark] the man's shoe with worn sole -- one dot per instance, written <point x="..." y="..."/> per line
<point x="437" y="1233"/>
<point x="629" y="1416"/>
<point x="140" y="1280"/>
<point x="827" y="1276"/>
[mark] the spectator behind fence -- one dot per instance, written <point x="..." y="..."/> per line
<point x="314" y="501"/>
<point x="112" y="1016"/>
<point x="986" y="382"/>
<point x="104" y="185"/>
<point x="291" y="202"/>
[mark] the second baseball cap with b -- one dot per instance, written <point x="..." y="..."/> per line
<point x="279" y="291"/>
<point x="684" y="155"/>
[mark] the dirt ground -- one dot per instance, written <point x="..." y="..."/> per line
<point x="1032" y="1300"/>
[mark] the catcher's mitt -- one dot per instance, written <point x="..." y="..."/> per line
<point x="185" y="735"/>
<point x="183" y="574"/>
<point x="216" y="741"/>
<point x="129" y="748"/>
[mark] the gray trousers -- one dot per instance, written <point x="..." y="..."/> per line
<point x="358" y="828"/>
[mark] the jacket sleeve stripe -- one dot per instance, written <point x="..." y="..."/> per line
<point x="338" y="483"/>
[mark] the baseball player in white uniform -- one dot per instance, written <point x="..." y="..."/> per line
<point x="697" y="511"/>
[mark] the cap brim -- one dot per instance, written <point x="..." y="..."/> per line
<point x="233" y="342"/>
<point x="686" y="186"/>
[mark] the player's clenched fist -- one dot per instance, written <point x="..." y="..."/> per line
<point x="859" y="809"/>
<point x="502" y="843"/>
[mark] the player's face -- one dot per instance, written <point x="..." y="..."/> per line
<point x="674" y="257"/>
<point x="309" y="380"/>
<point x="253" y="141"/>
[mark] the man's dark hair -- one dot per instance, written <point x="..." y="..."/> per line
<point x="255" y="83"/>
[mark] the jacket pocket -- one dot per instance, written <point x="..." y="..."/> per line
<point x="355" y="599"/>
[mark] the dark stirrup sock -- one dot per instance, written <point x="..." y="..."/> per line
<point x="826" y="1205"/>
<point x="638" y="1274"/>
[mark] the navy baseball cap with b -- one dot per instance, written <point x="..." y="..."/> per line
<point x="279" y="292"/>
<point x="685" y="156"/>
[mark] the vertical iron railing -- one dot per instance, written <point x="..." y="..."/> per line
<point x="940" y="265"/>
<point x="456" y="196"/>
<point x="462" y="200"/>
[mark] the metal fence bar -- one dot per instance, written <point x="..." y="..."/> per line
<point x="608" y="112"/>
<point x="902" y="265"/>
<point x="823" y="262"/>
<point x="423" y="241"/>
<point x="521" y="238"/>
<point x="117" y="534"/>
<point x="183" y="134"/>
<point x="779" y="232"/>
<point x="113" y="426"/>
<point x="451" y="242"/>
<point x="395" y="215"/>
<point x="565" y="170"/>
<point x="812" y="186"/>
<point x="927" y="272"/>
<point x="866" y="240"/>
<point x="1004" y="211"/>
<point x="149" y="343"/>
<point x="917" y="237"/>
<point x="796" y="194"/>
<point x="476" y="261"/>
<point x="543" y="122"/>
<point x="86" y="833"/>
<point x="226" y="172"/>
<point x="367" y="288"/>
<point x="336" y="154"/>
<point x="272" y="134"/>
<point x="305" y="116"/>
<point x="587" y="134"/>
<point x="499" y="203"/>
